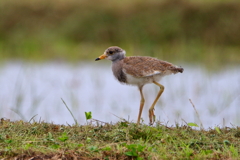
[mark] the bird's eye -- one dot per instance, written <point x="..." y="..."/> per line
<point x="110" y="52"/>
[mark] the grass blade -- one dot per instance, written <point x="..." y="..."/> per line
<point x="75" y="120"/>
<point x="201" y="125"/>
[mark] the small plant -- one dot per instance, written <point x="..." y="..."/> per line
<point x="8" y="141"/>
<point x="88" y="140"/>
<point x="187" y="150"/>
<point x="234" y="151"/>
<point x="206" y="152"/>
<point x="107" y="148"/>
<point x="218" y="130"/>
<point x="88" y="115"/>
<point x="226" y="142"/>
<point x="64" y="137"/>
<point x="55" y="146"/>
<point x="193" y="125"/>
<point x="134" y="150"/>
<point x="93" y="149"/>
<point x="27" y="146"/>
<point x="80" y="145"/>
<point x="49" y="137"/>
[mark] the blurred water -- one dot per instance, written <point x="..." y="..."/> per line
<point x="28" y="89"/>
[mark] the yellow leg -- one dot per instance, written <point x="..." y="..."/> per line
<point x="151" y="113"/>
<point x="141" y="105"/>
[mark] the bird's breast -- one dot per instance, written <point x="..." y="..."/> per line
<point x="118" y="72"/>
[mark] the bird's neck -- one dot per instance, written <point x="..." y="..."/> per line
<point x="118" y="58"/>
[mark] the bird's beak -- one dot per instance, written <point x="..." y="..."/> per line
<point x="101" y="57"/>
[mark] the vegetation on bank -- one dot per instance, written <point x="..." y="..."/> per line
<point x="123" y="140"/>
<point x="190" y="31"/>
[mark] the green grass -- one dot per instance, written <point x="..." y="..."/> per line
<point x="122" y="140"/>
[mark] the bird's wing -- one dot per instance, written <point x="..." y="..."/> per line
<point x="139" y="66"/>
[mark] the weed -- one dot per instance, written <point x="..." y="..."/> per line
<point x="88" y="115"/>
<point x="134" y="150"/>
<point x="63" y="137"/>
<point x="192" y="125"/>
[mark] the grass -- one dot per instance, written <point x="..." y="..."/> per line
<point x="123" y="140"/>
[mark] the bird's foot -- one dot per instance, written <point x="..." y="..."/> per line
<point x="152" y="117"/>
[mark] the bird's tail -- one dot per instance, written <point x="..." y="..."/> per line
<point x="179" y="69"/>
<point x="175" y="69"/>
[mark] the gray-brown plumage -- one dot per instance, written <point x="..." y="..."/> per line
<point x="139" y="70"/>
<point x="146" y="66"/>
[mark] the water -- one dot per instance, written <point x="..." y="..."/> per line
<point x="36" y="89"/>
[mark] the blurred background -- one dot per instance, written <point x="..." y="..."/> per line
<point x="47" y="52"/>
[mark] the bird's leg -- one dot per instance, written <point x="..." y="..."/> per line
<point x="141" y="105"/>
<point x="151" y="113"/>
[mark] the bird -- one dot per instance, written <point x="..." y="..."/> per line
<point x="138" y="71"/>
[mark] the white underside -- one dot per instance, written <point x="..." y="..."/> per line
<point x="140" y="81"/>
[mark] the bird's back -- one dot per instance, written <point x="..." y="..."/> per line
<point x="140" y="66"/>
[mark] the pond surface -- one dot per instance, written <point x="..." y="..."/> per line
<point x="36" y="89"/>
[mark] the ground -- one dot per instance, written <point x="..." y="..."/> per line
<point x="123" y="140"/>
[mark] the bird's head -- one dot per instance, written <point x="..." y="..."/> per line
<point x="112" y="53"/>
